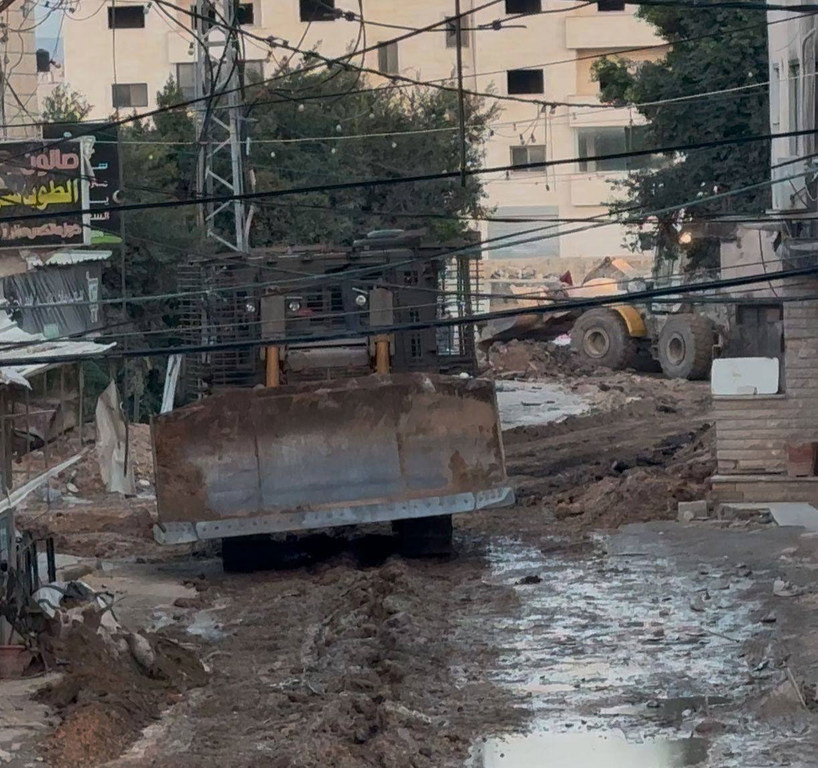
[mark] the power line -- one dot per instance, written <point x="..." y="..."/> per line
<point x="633" y="297"/>
<point x="379" y="182"/>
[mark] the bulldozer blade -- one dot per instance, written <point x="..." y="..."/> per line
<point x="307" y="456"/>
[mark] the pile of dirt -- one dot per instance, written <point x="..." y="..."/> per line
<point x="114" y="684"/>
<point x="647" y="487"/>
<point x="535" y="360"/>
<point x="85" y="473"/>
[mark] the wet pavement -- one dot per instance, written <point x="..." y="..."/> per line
<point x="640" y="654"/>
<point x="526" y="403"/>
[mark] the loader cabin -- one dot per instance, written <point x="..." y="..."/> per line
<point x="320" y="305"/>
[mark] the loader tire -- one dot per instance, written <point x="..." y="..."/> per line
<point x="601" y="337"/>
<point x="685" y="347"/>
<point x="425" y="536"/>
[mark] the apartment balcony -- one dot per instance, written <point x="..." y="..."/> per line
<point x="608" y="30"/>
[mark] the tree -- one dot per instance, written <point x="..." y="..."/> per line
<point x="64" y="105"/>
<point x="407" y="132"/>
<point x="734" y="58"/>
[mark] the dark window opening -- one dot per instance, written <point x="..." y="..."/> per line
<point x="130" y="94"/>
<point x="317" y="10"/>
<point x="196" y="20"/>
<point x="610" y="5"/>
<point x="388" y="58"/>
<point x="525" y="81"/>
<point x="532" y="153"/>
<point x="523" y="6"/>
<point x="595" y="142"/>
<point x="186" y="79"/>
<point x="245" y="13"/>
<point x="43" y="60"/>
<point x="126" y="17"/>
<point x="759" y="331"/>
<point x="451" y="34"/>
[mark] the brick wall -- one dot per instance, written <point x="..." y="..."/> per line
<point x="752" y="432"/>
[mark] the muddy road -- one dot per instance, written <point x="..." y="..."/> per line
<point x="583" y="627"/>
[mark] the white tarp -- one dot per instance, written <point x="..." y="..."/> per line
<point x="111" y="444"/>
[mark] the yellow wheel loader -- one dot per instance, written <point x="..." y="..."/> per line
<point x="630" y="336"/>
<point x="368" y="428"/>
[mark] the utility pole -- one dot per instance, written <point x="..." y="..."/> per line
<point x="220" y="164"/>
<point x="461" y="106"/>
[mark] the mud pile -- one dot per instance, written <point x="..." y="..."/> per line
<point x="646" y="487"/>
<point x="534" y="360"/>
<point x="114" y="684"/>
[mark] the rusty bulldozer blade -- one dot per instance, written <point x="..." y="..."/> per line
<point x="352" y="451"/>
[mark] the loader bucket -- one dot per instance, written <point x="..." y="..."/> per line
<point x="308" y="456"/>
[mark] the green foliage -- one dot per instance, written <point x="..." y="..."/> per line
<point x="63" y="105"/>
<point x="736" y="57"/>
<point x="289" y="109"/>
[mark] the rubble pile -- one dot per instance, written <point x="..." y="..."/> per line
<point x="535" y="360"/>
<point x="647" y="487"/>
<point x="114" y="681"/>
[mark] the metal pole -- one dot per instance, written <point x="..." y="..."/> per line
<point x="123" y="288"/>
<point x="45" y="432"/>
<point x="461" y="102"/>
<point x="80" y="405"/>
<point x="28" y="432"/>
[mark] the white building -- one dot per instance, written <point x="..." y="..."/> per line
<point x="543" y="56"/>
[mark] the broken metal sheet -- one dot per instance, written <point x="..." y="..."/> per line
<point x="306" y="448"/>
<point x="111" y="443"/>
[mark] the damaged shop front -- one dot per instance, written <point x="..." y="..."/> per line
<point x="42" y="416"/>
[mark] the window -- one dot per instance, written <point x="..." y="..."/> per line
<point x="610" y="5"/>
<point x="775" y="98"/>
<point x="245" y="13"/>
<point x="451" y="34"/>
<point x="388" y="58"/>
<point x="794" y="107"/>
<point x="186" y="79"/>
<point x="126" y="17"/>
<point x="523" y="6"/>
<point x="196" y="20"/>
<point x="317" y="10"/>
<point x="533" y="153"/>
<point x="253" y="70"/>
<point x="525" y="81"/>
<point x="759" y="331"/>
<point x="611" y="141"/>
<point x="130" y="94"/>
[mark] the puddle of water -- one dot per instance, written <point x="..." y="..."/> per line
<point x="587" y="750"/>
<point x="526" y="403"/>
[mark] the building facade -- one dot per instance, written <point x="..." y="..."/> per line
<point x="767" y="444"/>
<point x="19" y="108"/>
<point x="542" y="56"/>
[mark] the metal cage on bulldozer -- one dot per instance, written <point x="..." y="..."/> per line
<point x="324" y="290"/>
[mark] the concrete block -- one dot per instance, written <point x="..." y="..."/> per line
<point x="744" y="376"/>
<point x="690" y="510"/>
